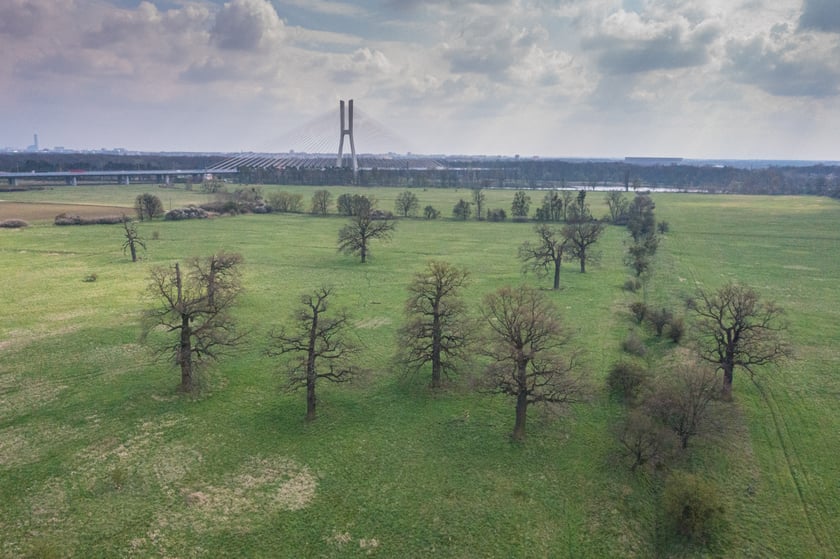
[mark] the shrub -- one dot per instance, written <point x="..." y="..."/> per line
<point x="659" y="319"/>
<point x="498" y="214"/>
<point x="632" y="285"/>
<point x="430" y="213"/>
<point x="663" y="227"/>
<point x="625" y="380"/>
<point x="693" y="507"/>
<point x="90" y="278"/>
<point x="286" y="202"/>
<point x="643" y="440"/>
<point x="14" y="223"/>
<point x="634" y="345"/>
<point x="65" y="219"/>
<point x="148" y="206"/>
<point x="190" y="212"/>
<point x="676" y="329"/>
<point x="639" y="311"/>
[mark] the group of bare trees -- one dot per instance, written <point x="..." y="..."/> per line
<point x="520" y="334"/>
<point x="517" y="333"/>
<point x="573" y="241"/>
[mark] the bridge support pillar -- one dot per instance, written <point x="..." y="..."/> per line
<point x="125" y="180"/>
<point x="347" y="131"/>
<point x="71" y="181"/>
<point x="13" y="181"/>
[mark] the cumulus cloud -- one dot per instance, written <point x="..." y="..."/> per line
<point x="785" y="64"/>
<point x="627" y="43"/>
<point x="246" y="25"/>
<point x="820" y="15"/>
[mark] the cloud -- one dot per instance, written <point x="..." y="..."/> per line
<point x="785" y="64"/>
<point x="21" y="18"/>
<point x="628" y="43"/>
<point x="820" y="15"/>
<point x="246" y="25"/>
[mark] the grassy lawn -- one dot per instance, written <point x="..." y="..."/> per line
<point x="101" y="457"/>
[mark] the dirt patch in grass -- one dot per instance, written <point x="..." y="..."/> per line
<point x="44" y="211"/>
<point x="373" y="323"/>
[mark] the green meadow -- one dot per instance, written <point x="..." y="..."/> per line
<point x="100" y="456"/>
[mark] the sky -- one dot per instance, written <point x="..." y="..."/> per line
<point x="735" y="79"/>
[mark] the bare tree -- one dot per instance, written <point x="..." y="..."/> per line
<point x="642" y="439"/>
<point x="197" y="309"/>
<point x="478" y="198"/>
<point x="735" y="328"/>
<point x="436" y="329"/>
<point x="524" y="342"/>
<point x="313" y="341"/>
<point x="132" y="238"/>
<point x="406" y="204"/>
<point x="682" y="399"/>
<point x="321" y="201"/>
<point x="580" y="236"/>
<point x="546" y="254"/>
<point x="618" y="205"/>
<point x="355" y="237"/>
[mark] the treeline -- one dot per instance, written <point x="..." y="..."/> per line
<point x="819" y="180"/>
<point x="60" y="162"/>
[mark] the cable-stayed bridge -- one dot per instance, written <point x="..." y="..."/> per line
<point x="320" y="144"/>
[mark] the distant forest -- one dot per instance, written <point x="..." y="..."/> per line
<point x="819" y="180"/>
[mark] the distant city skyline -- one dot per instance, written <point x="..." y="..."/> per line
<point x="707" y="79"/>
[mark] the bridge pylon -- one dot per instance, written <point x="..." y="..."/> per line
<point x="346" y="130"/>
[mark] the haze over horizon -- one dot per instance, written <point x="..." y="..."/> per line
<point x="707" y="79"/>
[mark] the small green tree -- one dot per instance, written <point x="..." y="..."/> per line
<point x="429" y="212"/>
<point x="321" y="202"/>
<point x="521" y="205"/>
<point x="462" y="210"/>
<point x="148" y="206"/>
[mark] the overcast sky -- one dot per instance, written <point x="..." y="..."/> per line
<point x="567" y="78"/>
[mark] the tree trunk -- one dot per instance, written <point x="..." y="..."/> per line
<point x="185" y="354"/>
<point x="310" y="399"/>
<point x="364" y="251"/>
<point x="521" y="414"/>
<point x="583" y="262"/>
<point x="557" y="274"/>
<point x="133" y="251"/>
<point x="726" y="391"/>
<point x="436" y="351"/>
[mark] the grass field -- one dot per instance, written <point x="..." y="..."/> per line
<point x="101" y="457"/>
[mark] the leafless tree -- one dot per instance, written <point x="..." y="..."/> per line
<point x="524" y="342"/>
<point x="313" y="341"/>
<point x="321" y="201"/>
<point x="197" y="310"/>
<point x="132" y="238"/>
<point x="479" y="198"/>
<point x="735" y="328"/>
<point x="355" y="237"/>
<point x="406" y="204"/>
<point x="546" y="254"/>
<point x="580" y="236"/>
<point x="683" y="398"/>
<point x="436" y="329"/>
